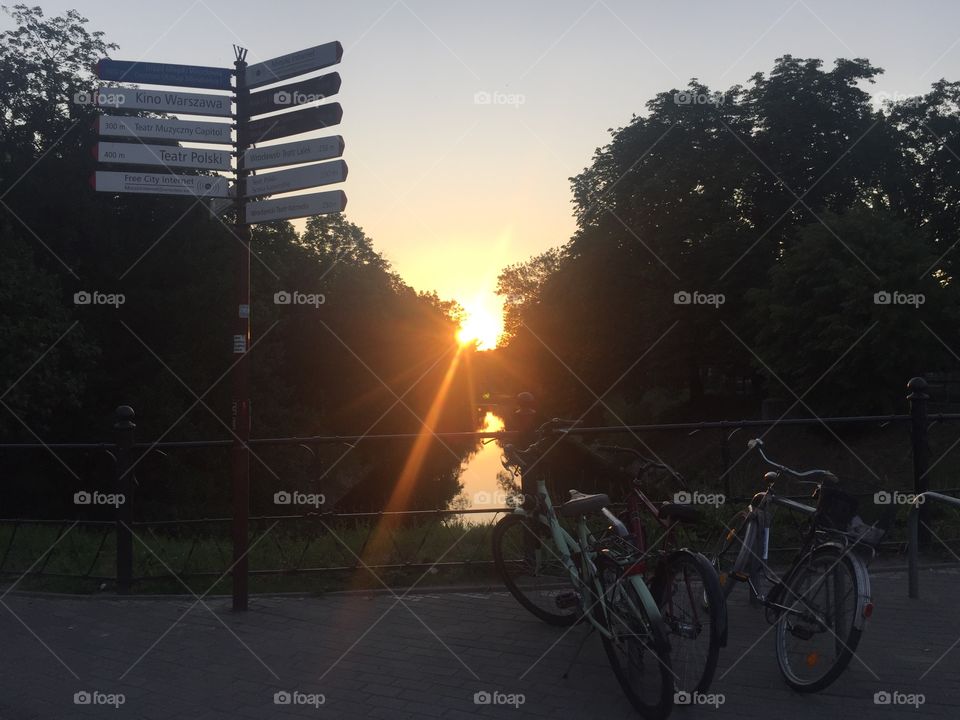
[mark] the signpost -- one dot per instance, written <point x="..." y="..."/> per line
<point x="214" y="190"/>
<point x="163" y="101"/>
<point x="196" y="76"/>
<point x="301" y="92"/>
<point x="160" y="184"/>
<point x="294" y="123"/>
<point x="296" y="207"/>
<point x="298" y="63"/>
<point x="166" y="155"/>
<point x="298" y="178"/>
<point x="294" y="153"/>
<point x="143" y="128"/>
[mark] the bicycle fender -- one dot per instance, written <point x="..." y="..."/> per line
<point x="652" y="610"/>
<point x="863" y="579"/>
<point x="700" y="559"/>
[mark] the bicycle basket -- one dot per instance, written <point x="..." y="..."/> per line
<point x="835" y="508"/>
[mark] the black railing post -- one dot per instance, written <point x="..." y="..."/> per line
<point x="920" y="446"/>
<point x="124" y="427"/>
<point x="725" y="460"/>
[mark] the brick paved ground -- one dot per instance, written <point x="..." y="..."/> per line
<point x="370" y="657"/>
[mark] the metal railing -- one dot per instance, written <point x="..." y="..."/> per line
<point x="126" y="453"/>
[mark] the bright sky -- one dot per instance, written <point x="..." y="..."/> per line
<point x="452" y="190"/>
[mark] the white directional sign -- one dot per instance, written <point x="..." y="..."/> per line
<point x="293" y="153"/>
<point x="297" y="178"/>
<point x="158" y="129"/>
<point x="172" y="156"/>
<point x="296" y="207"/>
<point x="298" y="63"/>
<point x="156" y="184"/>
<point x="163" y="101"/>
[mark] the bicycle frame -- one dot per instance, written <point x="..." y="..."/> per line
<point x="758" y="523"/>
<point x="583" y="578"/>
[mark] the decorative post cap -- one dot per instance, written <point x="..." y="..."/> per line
<point x="124" y="418"/>
<point x="917" y="386"/>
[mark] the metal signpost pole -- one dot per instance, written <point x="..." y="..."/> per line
<point x="241" y="346"/>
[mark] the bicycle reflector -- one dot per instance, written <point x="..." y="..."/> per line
<point x="868" y="610"/>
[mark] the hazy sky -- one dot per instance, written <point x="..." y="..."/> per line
<point x="451" y="190"/>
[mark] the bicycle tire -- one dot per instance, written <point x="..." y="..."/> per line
<point x="840" y="629"/>
<point x="638" y="634"/>
<point x="530" y="568"/>
<point x="682" y="582"/>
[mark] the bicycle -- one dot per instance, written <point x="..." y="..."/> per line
<point x="684" y="583"/>
<point x="563" y="580"/>
<point x="821" y="604"/>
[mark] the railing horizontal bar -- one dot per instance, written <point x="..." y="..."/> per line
<point x="73" y="576"/>
<point x="57" y="446"/>
<point x="502" y="435"/>
<point x="339" y="568"/>
<point x="40" y="521"/>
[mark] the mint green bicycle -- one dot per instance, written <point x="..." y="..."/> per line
<point x="563" y="580"/>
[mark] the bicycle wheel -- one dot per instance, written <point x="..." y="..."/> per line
<point x="638" y="649"/>
<point x="530" y="566"/>
<point x="734" y="548"/>
<point x="818" y="635"/>
<point x="696" y="628"/>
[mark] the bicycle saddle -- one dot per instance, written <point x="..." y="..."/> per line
<point x="580" y="504"/>
<point x="680" y="512"/>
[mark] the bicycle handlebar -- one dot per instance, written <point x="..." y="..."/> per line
<point x="757" y="444"/>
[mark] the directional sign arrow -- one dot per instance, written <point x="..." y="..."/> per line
<point x="297" y="178"/>
<point x="294" y="207"/>
<point x="294" y="123"/>
<point x="156" y="184"/>
<point x="301" y="92"/>
<point x="197" y="76"/>
<point x="163" y="101"/>
<point x="168" y="155"/>
<point x="142" y="128"/>
<point x="293" y="153"/>
<point x="298" y="63"/>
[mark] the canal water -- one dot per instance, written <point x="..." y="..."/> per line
<point x="478" y="478"/>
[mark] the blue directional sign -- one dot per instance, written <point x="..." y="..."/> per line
<point x="149" y="73"/>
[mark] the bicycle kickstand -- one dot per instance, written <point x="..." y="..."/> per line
<point x="583" y="641"/>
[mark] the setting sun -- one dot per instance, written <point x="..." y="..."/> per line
<point x="480" y="326"/>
